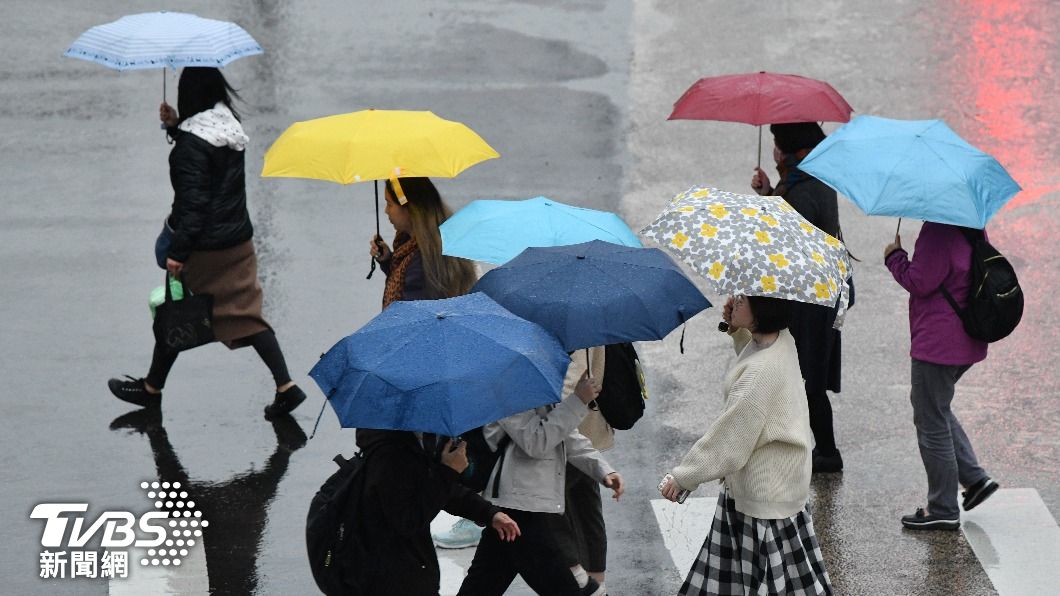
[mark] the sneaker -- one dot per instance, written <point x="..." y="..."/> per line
<point x="285" y="403"/>
<point x="827" y="464"/>
<point x="923" y="521"/>
<point x="463" y="534"/>
<point x="134" y="392"/>
<point x="593" y="588"/>
<point x="978" y="492"/>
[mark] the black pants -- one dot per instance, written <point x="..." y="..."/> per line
<point x="821" y="422"/>
<point x="264" y="344"/>
<point x="580" y="532"/>
<point x="534" y="555"/>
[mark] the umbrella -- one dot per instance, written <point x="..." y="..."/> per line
<point x="596" y="293"/>
<point x="761" y="98"/>
<point x="375" y="145"/>
<point x="912" y="168"/>
<point x="753" y="245"/>
<point x="441" y="366"/>
<point x="497" y="231"/>
<point x="160" y="39"/>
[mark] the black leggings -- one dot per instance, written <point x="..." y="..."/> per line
<point x="264" y="343"/>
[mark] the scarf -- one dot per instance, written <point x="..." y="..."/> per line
<point x="404" y="249"/>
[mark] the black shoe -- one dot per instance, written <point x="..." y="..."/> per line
<point x="289" y="435"/>
<point x="978" y="492"/>
<point x="285" y="402"/>
<point x="134" y="392"/>
<point x="922" y="521"/>
<point x="592" y="588"/>
<point x="827" y="464"/>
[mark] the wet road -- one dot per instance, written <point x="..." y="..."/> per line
<point x="574" y="96"/>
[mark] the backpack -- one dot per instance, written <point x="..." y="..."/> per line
<point x="621" y="399"/>
<point x="480" y="459"/>
<point x="330" y="535"/>
<point x="995" y="299"/>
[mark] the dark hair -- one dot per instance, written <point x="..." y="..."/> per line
<point x="791" y="137"/>
<point x="770" y="314"/>
<point x="200" y="88"/>
<point x="446" y="276"/>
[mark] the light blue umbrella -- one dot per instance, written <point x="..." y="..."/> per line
<point x="918" y="169"/>
<point x="497" y="231"/>
<point x="160" y="39"/>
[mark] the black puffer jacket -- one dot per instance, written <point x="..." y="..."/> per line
<point x="210" y="198"/>
<point x="405" y="487"/>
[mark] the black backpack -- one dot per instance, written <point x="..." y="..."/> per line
<point x="330" y="532"/>
<point x="480" y="459"/>
<point x="995" y="299"/>
<point x="621" y="399"/>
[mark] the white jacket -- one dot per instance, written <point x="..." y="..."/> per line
<point x="533" y="475"/>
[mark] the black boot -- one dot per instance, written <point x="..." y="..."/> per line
<point x="134" y="392"/>
<point x="285" y="403"/>
<point x="827" y="464"/>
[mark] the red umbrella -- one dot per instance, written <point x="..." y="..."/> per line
<point x="761" y="98"/>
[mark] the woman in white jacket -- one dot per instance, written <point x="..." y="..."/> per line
<point x="528" y="484"/>
<point x="762" y="538"/>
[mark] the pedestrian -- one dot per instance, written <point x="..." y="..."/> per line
<point x="409" y="478"/>
<point x="941" y="352"/>
<point x="528" y="484"/>
<point x="581" y="532"/>
<point x="762" y="537"/>
<point x="415" y="268"/>
<point x="819" y="344"/>
<point x="210" y="246"/>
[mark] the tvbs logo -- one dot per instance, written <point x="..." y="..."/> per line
<point x="166" y="533"/>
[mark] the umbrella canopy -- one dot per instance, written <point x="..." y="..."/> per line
<point x="375" y="145"/>
<point x="596" y="293"/>
<point x="761" y="98"/>
<point x="918" y="169"/>
<point x="497" y="231"/>
<point x="441" y="366"/>
<point x="753" y="245"/>
<point x="160" y="39"/>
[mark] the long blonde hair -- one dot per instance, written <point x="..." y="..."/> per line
<point x="446" y="276"/>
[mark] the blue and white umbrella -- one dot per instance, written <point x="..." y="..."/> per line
<point x="160" y="39"/>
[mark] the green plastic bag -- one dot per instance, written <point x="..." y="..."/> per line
<point x="158" y="295"/>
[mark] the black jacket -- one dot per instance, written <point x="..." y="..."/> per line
<point x="404" y="490"/>
<point x="210" y="198"/>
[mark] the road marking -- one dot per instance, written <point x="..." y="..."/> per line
<point x="187" y="579"/>
<point x="684" y="528"/>
<point x="1016" y="541"/>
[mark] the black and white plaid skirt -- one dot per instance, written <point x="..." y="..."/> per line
<point x="747" y="556"/>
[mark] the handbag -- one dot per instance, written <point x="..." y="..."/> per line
<point x="186" y="323"/>
<point x="165" y="238"/>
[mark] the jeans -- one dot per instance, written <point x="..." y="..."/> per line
<point x="944" y="447"/>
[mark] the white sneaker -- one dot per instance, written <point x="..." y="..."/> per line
<point x="463" y="534"/>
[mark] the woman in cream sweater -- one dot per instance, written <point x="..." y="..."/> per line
<point x="762" y="538"/>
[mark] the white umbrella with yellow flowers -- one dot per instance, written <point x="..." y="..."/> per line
<point x="755" y="246"/>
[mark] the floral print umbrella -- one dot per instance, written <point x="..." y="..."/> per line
<point x="754" y="245"/>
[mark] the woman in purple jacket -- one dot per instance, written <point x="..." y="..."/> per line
<point x="941" y="352"/>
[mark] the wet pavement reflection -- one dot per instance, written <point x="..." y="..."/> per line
<point x="236" y="508"/>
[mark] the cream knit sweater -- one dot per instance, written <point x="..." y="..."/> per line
<point x="761" y="443"/>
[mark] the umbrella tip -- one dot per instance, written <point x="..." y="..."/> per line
<point x="581" y="257"/>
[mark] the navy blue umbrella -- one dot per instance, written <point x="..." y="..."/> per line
<point x="596" y="293"/>
<point x="441" y="366"/>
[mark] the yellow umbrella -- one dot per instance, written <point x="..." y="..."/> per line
<point x="375" y="145"/>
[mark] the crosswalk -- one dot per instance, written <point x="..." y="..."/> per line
<point x="1015" y="539"/>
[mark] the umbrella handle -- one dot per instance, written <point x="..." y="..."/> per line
<point x="376" y="184"/>
<point x="588" y="365"/>
<point x="759" y="146"/>
<point x="899" y="226"/>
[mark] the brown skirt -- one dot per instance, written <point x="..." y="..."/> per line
<point x="231" y="276"/>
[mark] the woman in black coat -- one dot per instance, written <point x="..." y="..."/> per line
<point x="819" y="344"/>
<point x="409" y="478"/>
<point x="207" y="238"/>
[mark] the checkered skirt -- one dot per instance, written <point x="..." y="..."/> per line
<point x="744" y="555"/>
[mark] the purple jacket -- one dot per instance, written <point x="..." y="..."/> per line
<point x="942" y="256"/>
